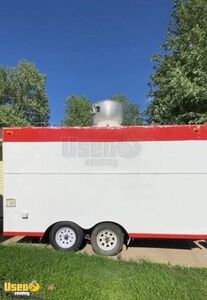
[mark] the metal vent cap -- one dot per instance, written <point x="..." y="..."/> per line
<point x="107" y="113"/>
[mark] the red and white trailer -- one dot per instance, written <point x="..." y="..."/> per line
<point x="112" y="183"/>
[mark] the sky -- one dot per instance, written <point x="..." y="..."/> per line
<point x="92" y="48"/>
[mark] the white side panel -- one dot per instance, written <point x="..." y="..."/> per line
<point x="147" y="187"/>
<point x="118" y="157"/>
<point x="150" y="203"/>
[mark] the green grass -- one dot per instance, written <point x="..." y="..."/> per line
<point x="78" y="276"/>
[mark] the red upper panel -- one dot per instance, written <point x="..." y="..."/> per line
<point x="94" y="134"/>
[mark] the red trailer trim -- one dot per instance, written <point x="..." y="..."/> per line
<point x="131" y="235"/>
<point x="168" y="236"/>
<point x="94" y="134"/>
<point x="21" y="233"/>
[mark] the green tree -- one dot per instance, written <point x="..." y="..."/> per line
<point x="23" y="99"/>
<point x="77" y="112"/>
<point x="132" y="114"/>
<point x="9" y="117"/>
<point x="178" y="87"/>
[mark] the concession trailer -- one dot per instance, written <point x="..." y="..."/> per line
<point x="109" y="182"/>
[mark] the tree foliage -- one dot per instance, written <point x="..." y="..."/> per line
<point x="77" y="112"/>
<point x="23" y="99"/>
<point x="178" y="87"/>
<point x="132" y="114"/>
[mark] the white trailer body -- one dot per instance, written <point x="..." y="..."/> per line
<point x="149" y="180"/>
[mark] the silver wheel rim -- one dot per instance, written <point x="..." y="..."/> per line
<point x="65" y="237"/>
<point x="107" y="240"/>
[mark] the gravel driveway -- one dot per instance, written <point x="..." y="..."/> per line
<point x="176" y="252"/>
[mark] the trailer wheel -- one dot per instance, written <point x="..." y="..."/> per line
<point x="107" y="239"/>
<point x="66" y="236"/>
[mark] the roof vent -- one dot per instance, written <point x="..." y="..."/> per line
<point x="107" y="113"/>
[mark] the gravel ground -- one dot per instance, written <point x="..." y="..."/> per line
<point x="174" y="252"/>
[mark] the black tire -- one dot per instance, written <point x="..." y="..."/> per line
<point x="107" y="239"/>
<point x="84" y="243"/>
<point x="66" y="236"/>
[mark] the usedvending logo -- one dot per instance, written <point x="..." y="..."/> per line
<point x="22" y="289"/>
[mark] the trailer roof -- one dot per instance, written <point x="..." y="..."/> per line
<point x="105" y="134"/>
